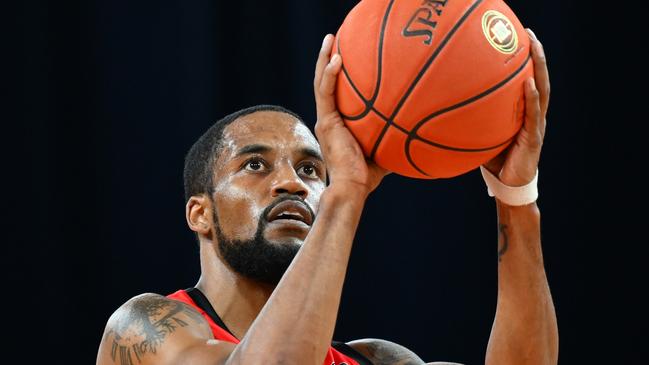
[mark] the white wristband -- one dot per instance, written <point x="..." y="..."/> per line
<point x="511" y="195"/>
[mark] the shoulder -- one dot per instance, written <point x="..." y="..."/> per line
<point x="163" y="313"/>
<point x="382" y="352"/>
<point x="150" y="328"/>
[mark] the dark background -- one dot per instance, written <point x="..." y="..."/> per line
<point x="111" y="94"/>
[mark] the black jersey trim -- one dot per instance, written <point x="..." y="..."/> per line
<point x="202" y="302"/>
<point x="349" y="351"/>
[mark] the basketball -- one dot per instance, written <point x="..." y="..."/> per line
<point x="432" y="88"/>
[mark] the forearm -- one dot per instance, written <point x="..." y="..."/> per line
<point x="525" y="326"/>
<point x="297" y="323"/>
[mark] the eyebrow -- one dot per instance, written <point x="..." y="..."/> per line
<point x="311" y="152"/>
<point x="252" y="148"/>
<point x="261" y="148"/>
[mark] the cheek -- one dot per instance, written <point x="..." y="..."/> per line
<point x="313" y="199"/>
<point x="238" y="211"/>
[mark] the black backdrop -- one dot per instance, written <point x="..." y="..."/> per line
<point x="111" y="94"/>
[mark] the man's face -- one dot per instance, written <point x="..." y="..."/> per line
<point x="267" y="185"/>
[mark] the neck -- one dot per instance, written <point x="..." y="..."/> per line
<point x="237" y="300"/>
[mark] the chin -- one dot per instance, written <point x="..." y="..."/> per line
<point x="287" y="240"/>
<point x="286" y="232"/>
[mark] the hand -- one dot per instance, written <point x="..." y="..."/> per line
<point x="345" y="161"/>
<point x="516" y="166"/>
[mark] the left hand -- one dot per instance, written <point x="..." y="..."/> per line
<point x="346" y="164"/>
<point x="516" y="165"/>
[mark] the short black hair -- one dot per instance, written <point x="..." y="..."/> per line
<point x="199" y="161"/>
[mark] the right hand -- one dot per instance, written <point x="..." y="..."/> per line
<point x="517" y="165"/>
<point x="343" y="156"/>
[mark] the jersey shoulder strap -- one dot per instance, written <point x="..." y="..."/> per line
<point x="348" y="351"/>
<point x="198" y="300"/>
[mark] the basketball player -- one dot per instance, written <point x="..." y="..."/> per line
<point x="275" y="240"/>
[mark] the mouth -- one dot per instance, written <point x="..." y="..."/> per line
<point x="290" y="210"/>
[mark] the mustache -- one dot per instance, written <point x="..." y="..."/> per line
<point x="282" y="198"/>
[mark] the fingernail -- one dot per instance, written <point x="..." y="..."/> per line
<point x="532" y="83"/>
<point x="532" y="34"/>
<point x="540" y="49"/>
<point x="324" y="41"/>
<point x="335" y="59"/>
<point x="212" y="342"/>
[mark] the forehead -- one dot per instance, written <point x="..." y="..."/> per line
<point x="272" y="128"/>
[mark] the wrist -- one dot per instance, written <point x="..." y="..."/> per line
<point x="349" y="190"/>
<point x="516" y="195"/>
<point x="345" y="193"/>
<point x="338" y="204"/>
<point x="523" y="224"/>
<point x="506" y="211"/>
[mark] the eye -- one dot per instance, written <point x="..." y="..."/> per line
<point x="254" y="165"/>
<point x="308" y="170"/>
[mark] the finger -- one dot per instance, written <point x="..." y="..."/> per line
<point x="323" y="59"/>
<point x="380" y="171"/>
<point x="325" y="100"/>
<point x="533" y="117"/>
<point x="328" y="83"/>
<point x="495" y="165"/>
<point x="540" y="71"/>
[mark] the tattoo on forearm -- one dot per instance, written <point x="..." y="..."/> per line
<point x="149" y="322"/>
<point x="503" y="241"/>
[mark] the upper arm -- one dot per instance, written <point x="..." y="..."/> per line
<point x="382" y="352"/>
<point x="153" y="329"/>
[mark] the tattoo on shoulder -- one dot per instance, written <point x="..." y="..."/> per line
<point x="503" y="241"/>
<point x="145" y="326"/>
<point x="381" y="352"/>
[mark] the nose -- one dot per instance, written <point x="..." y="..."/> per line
<point x="287" y="181"/>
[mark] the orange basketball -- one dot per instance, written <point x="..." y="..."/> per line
<point x="432" y="88"/>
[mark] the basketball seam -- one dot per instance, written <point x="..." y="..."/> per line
<point x="437" y="51"/>
<point x="436" y="144"/>
<point x="369" y="104"/>
<point x="365" y="101"/>
<point x="413" y="132"/>
<point x="412" y="135"/>
<point x="432" y="58"/>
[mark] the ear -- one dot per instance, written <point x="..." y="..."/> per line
<point x="198" y="213"/>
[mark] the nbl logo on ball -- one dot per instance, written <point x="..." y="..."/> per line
<point x="499" y="32"/>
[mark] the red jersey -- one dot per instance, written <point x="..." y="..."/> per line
<point x="339" y="353"/>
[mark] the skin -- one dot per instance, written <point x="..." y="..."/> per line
<point x="293" y="322"/>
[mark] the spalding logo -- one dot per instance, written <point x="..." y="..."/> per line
<point x="500" y="32"/>
<point x="423" y="22"/>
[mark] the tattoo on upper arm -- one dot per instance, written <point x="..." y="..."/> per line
<point x="381" y="352"/>
<point x="145" y="326"/>
<point x="503" y="241"/>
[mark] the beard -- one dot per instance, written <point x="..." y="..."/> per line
<point x="257" y="258"/>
